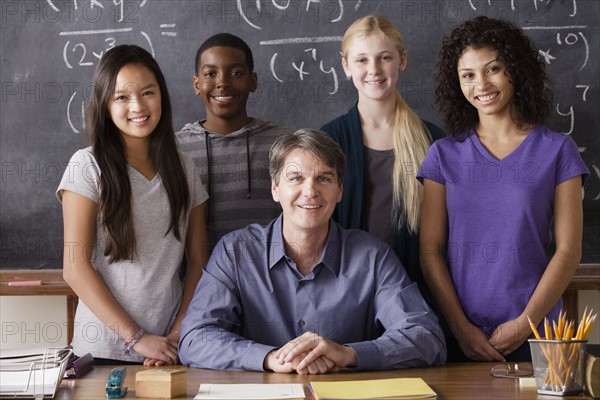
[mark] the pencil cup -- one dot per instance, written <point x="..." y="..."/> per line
<point x="558" y="365"/>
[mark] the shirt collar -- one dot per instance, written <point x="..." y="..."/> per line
<point x="276" y="246"/>
<point x="331" y="254"/>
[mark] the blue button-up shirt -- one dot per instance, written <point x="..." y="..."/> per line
<point x="251" y="299"/>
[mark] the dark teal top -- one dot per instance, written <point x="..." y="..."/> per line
<point x="347" y="132"/>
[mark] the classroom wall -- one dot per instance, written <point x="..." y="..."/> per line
<point x="41" y="320"/>
<point x="50" y="48"/>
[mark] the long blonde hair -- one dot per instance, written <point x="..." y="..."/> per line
<point x="411" y="139"/>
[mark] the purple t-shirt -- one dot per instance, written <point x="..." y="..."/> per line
<point x="500" y="216"/>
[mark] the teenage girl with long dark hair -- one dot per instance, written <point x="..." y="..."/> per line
<point x="132" y="205"/>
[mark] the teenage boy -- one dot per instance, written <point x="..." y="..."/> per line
<point x="229" y="147"/>
<point x="302" y="294"/>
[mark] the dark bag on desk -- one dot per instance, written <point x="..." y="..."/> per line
<point x="79" y="367"/>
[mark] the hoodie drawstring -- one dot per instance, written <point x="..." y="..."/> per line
<point x="207" y="177"/>
<point x="248" y="164"/>
<point x="248" y="171"/>
<point x="208" y="163"/>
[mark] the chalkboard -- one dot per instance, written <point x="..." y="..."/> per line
<point x="49" y="49"/>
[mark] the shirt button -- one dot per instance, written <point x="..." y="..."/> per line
<point x="301" y="323"/>
<point x="302" y="283"/>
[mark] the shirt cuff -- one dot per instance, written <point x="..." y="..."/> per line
<point x="367" y="356"/>
<point x="254" y="359"/>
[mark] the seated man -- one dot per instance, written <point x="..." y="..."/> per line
<point x="302" y="294"/>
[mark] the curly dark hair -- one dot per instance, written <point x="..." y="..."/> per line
<point x="527" y="73"/>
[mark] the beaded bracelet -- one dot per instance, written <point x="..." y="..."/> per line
<point x="129" y="345"/>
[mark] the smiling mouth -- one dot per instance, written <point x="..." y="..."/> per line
<point x="308" y="206"/>
<point x="377" y="82"/>
<point x="223" y="99"/>
<point x="140" y="119"/>
<point x="487" y="97"/>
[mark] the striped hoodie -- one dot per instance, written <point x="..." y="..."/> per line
<point x="235" y="171"/>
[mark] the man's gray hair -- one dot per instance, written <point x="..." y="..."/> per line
<point x="316" y="142"/>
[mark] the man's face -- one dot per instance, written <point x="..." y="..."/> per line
<point x="308" y="192"/>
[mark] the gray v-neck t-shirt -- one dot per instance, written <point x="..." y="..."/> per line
<point x="150" y="288"/>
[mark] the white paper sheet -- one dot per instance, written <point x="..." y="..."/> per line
<point x="261" y="391"/>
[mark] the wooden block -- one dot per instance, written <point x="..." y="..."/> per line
<point x="591" y="379"/>
<point x="161" y="383"/>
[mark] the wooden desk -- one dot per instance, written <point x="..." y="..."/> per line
<point x="470" y="381"/>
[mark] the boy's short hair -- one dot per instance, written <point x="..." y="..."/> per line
<point x="226" y="40"/>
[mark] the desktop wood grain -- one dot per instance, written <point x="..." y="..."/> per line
<point x="469" y="381"/>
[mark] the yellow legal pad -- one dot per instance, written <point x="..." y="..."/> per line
<point x="398" y="388"/>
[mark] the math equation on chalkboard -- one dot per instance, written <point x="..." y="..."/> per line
<point x="50" y="48"/>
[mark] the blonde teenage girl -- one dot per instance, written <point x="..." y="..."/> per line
<point x="384" y="142"/>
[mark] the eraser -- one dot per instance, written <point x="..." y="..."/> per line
<point x="25" y="283"/>
<point x="527" y="382"/>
